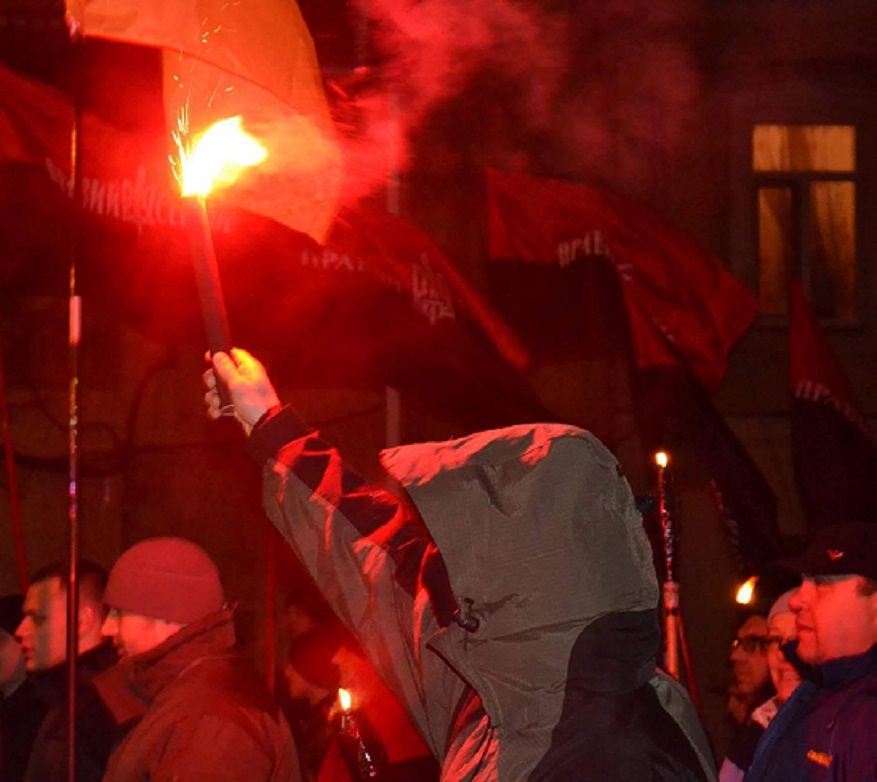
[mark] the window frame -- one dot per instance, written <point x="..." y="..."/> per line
<point x="798" y="181"/>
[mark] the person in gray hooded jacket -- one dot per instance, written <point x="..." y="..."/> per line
<point x="509" y="599"/>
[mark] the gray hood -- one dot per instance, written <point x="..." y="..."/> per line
<point x="541" y="537"/>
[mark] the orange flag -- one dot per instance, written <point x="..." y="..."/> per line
<point x="255" y="60"/>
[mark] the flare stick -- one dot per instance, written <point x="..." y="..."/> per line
<point x="209" y="287"/>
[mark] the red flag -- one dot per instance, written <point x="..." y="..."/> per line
<point x="680" y="300"/>
<point x="123" y="161"/>
<point x="833" y="450"/>
<point x="255" y="60"/>
<point x="377" y="304"/>
<point x="36" y="121"/>
<point x="36" y="126"/>
<point x="399" y="251"/>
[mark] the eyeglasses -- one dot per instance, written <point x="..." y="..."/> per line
<point x="749" y="643"/>
<point x="777" y="640"/>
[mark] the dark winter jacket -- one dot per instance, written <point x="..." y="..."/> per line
<point x="526" y="648"/>
<point x="827" y="730"/>
<point x="21" y="714"/>
<point x="95" y="731"/>
<point x="199" y="713"/>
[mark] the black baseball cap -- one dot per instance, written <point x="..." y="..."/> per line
<point x="839" y="550"/>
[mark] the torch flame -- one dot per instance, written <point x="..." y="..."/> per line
<point x="746" y="590"/>
<point x="217" y="158"/>
<point x="662" y="459"/>
<point x="345" y="699"/>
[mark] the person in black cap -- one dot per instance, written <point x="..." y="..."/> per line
<point x="198" y="711"/>
<point x="827" y="729"/>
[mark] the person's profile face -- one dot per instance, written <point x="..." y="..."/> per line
<point x="43" y="630"/>
<point x="834" y="618"/>
<point x="134" y="634"/>
<point x="783" y="674"/>
<point x="748" y="656"/>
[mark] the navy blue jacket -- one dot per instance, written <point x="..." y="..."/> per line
<point x="827" y="730"/>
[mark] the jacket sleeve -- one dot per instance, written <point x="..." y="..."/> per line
<point x="371" y="557"/>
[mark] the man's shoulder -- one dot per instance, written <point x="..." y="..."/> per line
<point x="860" y="695"/>
<point x="849" y="712"/>
<point x="859" y="689"/>
<point x="206" y="723"/>
<point x="222" y="682"/>
<point x="216" y="695"/>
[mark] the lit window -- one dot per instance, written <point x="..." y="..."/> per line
<point x="806" y="202"/>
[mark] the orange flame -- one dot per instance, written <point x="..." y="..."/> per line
<point x="345" y="699"/>
<point x="217" y="158"/>
<point x="746" y="591"/>
<point x="662" y="459"/>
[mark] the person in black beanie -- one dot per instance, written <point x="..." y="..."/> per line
<point x="196" y="709"/>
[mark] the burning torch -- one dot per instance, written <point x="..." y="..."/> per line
<point x="215" y="159"/>
<point x="674" y="633"/>
<point x="746" y="591"/>
<point x="365" y="763"/>
<point x="671" y="586"/>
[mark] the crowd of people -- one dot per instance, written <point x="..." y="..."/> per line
<point x="495" y="619"/>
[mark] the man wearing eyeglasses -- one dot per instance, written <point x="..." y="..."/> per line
<point x="784" y="676"/>
<point x="749" y="665"/>
<point x="827" y="728"/>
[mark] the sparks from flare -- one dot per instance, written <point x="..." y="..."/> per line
<point x="216" y="158"/>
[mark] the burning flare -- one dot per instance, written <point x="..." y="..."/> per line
<point x="344" y="699"/>
<point x="217" y="158"/>
<point x="662" y="459"/>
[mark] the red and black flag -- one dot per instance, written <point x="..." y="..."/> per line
<point x="582" y="253"/>
<point x="676" y="413"/>
<point x="680" y="301"/>
<point x="833" y="449"/>
<point x="378" y="303"/>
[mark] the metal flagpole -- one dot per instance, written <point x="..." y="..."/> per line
<point x="75" y="333"/>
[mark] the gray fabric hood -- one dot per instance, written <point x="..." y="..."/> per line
<point x="541" y="537"/>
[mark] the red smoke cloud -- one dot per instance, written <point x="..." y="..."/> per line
<point x="552" y="87"/>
